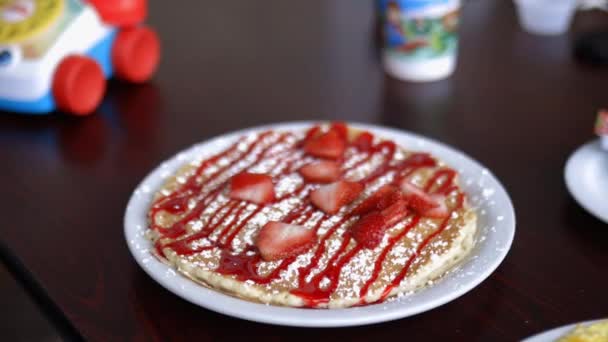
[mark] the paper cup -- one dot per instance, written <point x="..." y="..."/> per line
<point x="420" y="38"/>
<point x="545" y="17"/>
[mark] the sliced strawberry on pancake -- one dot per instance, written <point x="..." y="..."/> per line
<point x="364" y="141"/>
<point x="422" y="203"/>
<point x="370" y="229"/>
<point x="278" y="240"/>
<point x="323" y="171"/>
<point x="331" y="197"/>
<point x="252" y="187"/>
<point x="381" y="199"/>
<point x="341" y="128"/>
<point x="440" y="211"/>
<point x="312" y="134"/>
<point x="330" y="145"/>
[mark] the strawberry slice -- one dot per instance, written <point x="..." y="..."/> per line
<point x="395" y="212"/>
<point x="329" y="145"/>
<point x="312" y="133"/>
<point x="417" y="199"/>
<point x="252" y="187"/>
<point x="423" y="203"/>
<point x="364" y="141"/>
<point x="324" y="171"/>
<point x="278" y="240"/>
<point x="341" y="128"/>
<point x="440" y="211"/>
<point x="370" y="229"/>
<point x="382" y="198"/>
<point x="331" y="197"/>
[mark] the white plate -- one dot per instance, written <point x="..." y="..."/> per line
<point x="586" y="176"/>
<point x="553" y="334"/>
<point x="496" y="220"/>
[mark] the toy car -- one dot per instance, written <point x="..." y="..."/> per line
<point x="57" y="54"/>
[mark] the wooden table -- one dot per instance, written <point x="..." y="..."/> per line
<point x="518" y="103"/>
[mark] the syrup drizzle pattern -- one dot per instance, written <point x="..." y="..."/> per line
<point x="243" y="265"/>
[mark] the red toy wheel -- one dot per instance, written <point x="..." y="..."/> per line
<point x="121" y="12"/>
<point x="78" y="85"/>
<point x="135" y="54"/>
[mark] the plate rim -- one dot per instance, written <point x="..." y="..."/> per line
<point x="315" y="317"/>
<point x="569" y="172"/>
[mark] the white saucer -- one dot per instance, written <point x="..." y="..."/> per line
<point x="586" y="176"/>
<point x="496" y="223"/>
<point x="554" y="334"/>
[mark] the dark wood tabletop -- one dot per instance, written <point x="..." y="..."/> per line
<point x="518" y="103"/>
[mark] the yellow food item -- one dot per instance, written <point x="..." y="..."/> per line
<point x="597" y="332"/>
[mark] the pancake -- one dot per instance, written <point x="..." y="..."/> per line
<point x="202" y="230"/>
<point x="595" y="332"/>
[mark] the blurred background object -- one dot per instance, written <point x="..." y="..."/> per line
<point x="57" y="54"/>
<point x="546" y="17"/>
<point x="420" y="38"/>
<point x="552" y="17"/>
<point x="592" y="4"/>
<point x="591" y="46"/>
<point x="601" y="127"/>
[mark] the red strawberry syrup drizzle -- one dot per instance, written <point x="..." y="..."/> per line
<point x="244" y="265"/>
